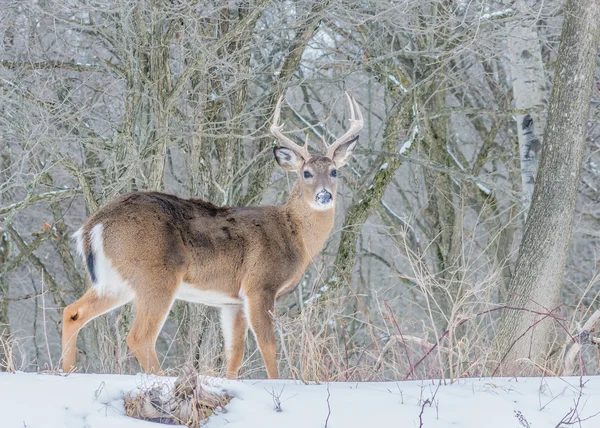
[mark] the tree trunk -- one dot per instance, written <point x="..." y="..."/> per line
<point x="365" y="201"/>
<point x="528" y="83"/>
<point x="524" y="336"/>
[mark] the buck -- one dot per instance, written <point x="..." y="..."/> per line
<point x="154" y="248"/>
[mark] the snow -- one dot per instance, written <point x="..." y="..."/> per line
<point x="81" y="400"/>
<point x="397" y="83"/>
<point x="407" y="145"/>
<point x="484" y="189"/>
<point x="497" y="14"/>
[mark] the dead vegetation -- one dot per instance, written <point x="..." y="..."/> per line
<point x="188" y="402"/>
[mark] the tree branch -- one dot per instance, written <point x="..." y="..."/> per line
<point x="49" y="65"/>
<point x="34" y="199"/>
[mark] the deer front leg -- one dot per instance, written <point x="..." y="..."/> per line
<point x="235" y="328"/>
<point x="259" y="310"/>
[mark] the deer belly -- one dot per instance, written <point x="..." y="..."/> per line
<point x="189" y="293"/>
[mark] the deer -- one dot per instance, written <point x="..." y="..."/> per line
<point x="154" y="248"/>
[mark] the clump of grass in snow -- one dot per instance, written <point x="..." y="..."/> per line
<point x="188" y="402"/>
<point x="7" y="348"/>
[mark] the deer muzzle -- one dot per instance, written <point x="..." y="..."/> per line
<point x="324" y="197"/>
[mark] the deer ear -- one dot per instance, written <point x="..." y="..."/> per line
<point x="288" y="159"/>
<point x="343" y="153"/>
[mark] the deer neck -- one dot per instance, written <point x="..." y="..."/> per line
<point x="315" y="225"/>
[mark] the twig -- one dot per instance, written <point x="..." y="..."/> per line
<point x="429" y="401"/>
<point x="572" y="417"/>
<point x="45" y="323"/>
<point x="412" y="369"/>
<point x="276" y="398"/>
<point x="549" y="315"/>
<point x="469" y="178"/>
<point x="328" y="407"/>
<point x="477" y="315"/>
<point x="25" y="297"/>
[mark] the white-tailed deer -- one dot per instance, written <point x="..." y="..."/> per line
<point x="153" y="248"/>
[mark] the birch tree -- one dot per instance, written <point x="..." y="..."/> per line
<point x="529" y="89"/>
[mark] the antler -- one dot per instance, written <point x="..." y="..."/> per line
<point x="285" y="141"/>
<point x="356" y="125"/>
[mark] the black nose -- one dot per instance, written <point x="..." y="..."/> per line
<point x="323" y="197"/>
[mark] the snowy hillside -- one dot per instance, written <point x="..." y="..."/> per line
<point x="77" y="401"/>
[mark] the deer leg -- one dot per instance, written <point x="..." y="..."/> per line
<point x="234" y="327"/>
<point x="151" y="314"/>
<point x="78" y="314"/>
<point x="259" y="310"/>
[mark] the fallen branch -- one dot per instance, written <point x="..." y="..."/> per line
<point x="583" y="338"/>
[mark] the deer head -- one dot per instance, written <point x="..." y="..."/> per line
<point x="317" y="173"/>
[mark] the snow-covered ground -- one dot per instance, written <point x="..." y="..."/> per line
<point x="79" y="400"/>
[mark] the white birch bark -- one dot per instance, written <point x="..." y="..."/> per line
<point x="530" y="94"/>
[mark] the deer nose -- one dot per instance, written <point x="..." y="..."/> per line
<point x="324" y="197"/>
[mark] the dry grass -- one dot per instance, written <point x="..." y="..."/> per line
<point x="444" y="330"/>
<point x="12" y="356"/>
<point x="187" y="403"/>
<point x="7" y="362"/>
<point x="432" y="328"/>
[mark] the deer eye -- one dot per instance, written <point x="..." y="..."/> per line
<point x="334" y="173"/>
<point x="307" y="174"/>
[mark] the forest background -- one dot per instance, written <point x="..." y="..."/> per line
<point x="442" y="263"/>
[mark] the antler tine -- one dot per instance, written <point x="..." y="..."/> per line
<point x="356" y="124"/>
<point x="285" y="141"/>
<point x="324" y="142"/>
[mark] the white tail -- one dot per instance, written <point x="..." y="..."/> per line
<point x="153" y="248"/>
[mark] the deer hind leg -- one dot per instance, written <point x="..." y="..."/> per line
<point x="259" y="310"/>
<point x="151" y="313"/>
<point x="235" y="328"/>
<point x="78" y="314"/>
